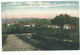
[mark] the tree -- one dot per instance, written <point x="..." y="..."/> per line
<point x="61" y="20"/>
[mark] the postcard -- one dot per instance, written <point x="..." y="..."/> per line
<point x="40" y="25"/>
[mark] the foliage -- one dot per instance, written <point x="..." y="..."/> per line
<point x="46" y="41"/>
<point x="61" y="20"/>
<point x="4" y="37"/>
<point x="48" y="38"/>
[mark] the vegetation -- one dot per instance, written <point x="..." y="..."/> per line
<point x="51" y="40"/>
<point x="48" y="38"/>
<point x="61" y="20"/>
<point x="4" y="37"/>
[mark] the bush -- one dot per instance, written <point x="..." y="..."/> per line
<point x="4" y="37"/>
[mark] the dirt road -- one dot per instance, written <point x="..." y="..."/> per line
<point x="13" y="43"/>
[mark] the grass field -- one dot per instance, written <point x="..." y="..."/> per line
<point x="48" y="44"/>
<point x="4" y="37"/>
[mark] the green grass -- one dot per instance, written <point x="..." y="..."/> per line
<point x="4" y="37"/>
<point x="48" y="44"/>
<point x="36" y="43"/>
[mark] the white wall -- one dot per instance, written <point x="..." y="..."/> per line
<point x="27" y="25"/>
<point x="8" y="24"/>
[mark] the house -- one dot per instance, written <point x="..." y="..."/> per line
<point x="28" y="24"/>
<point x="46" y="25"/>
<point x="54" y="26"/>
<point x="11" y="23"/>
<point x="51" y="26"/>
<point x="68" y="26"/>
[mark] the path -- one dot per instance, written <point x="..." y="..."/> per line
<point x="13" y="43"/>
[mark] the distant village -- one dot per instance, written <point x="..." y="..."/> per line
<point x="66" y="26"/>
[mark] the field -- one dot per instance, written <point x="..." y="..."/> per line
<point x="46" y="38"/>
<point x="4" y="37"/>
<point x="51" y="42"/>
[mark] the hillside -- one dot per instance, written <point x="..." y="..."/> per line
<point x="17" y="20"/>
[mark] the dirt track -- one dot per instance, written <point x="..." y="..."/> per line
<point x="13" y="43"/>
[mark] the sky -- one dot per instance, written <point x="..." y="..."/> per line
<point x="39" y="9"/>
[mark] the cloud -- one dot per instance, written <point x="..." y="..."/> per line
<point x="47" y="4"/>
<point x="38" y="13"/>
<point x="40" y="4"/>
<point x="36" y="9"/>
<point x="66" y="4"/>
<point x="13" y="3"/>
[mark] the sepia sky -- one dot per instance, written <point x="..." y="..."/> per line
<point x="39" y="9"/>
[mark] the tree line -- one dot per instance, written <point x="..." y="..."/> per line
<point x="63" y="19"/>
<point x="59" y="20"/>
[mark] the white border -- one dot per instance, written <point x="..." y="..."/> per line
<point x="54" y="52"/>
<point x="34" y="0"/>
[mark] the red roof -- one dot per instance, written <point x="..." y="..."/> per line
<point x="53" y="26"/>
<point x="68" y="25"/>
<point x="12" y="23"/>
<point x="45" y="25"/>
<point x="28" y="24"/>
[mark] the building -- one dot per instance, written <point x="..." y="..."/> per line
<point x="54" y="26"/>
<point x="68" y="26"/>
<point x="51" y="26"/>
<point x="46" y="25"/>
<point x="28" y="24"/>
<point x="11" y="23"/>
